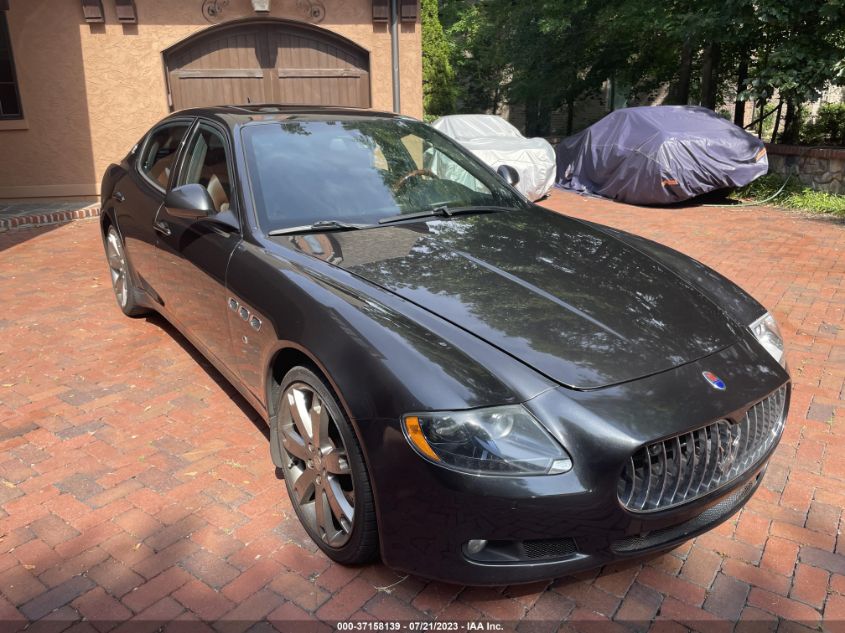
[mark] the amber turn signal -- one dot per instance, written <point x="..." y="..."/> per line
<point x="415" y="434"/>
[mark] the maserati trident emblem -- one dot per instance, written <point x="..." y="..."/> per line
<point x="714" y="380"/>
<point x="728" y="453"/>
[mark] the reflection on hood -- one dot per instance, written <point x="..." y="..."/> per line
<point x="577" y="305"/>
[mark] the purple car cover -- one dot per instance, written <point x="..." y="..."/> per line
<point x="659" y="155"/>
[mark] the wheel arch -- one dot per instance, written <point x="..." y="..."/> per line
<point x="107" y="219"/>
<point x="286" y="356"/>
<point x="282" y="361"/>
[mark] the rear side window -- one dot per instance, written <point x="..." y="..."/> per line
<point x="159" y="153"/>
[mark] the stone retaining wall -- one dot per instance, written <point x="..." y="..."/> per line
<point x="820" y="168"/>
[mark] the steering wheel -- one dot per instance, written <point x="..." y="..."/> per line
<point x="413" y="174"/>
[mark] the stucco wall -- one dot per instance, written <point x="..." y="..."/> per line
<point x="90" y="91"/>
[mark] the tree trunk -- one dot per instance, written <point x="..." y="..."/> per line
<point x="679" y="93"/>
<point x="710" y="75"/>
<point x="570" y="115"/>
<point x="531" y="111"/>
<point x="544" y="118"/>
<point x="791" y="122"/>
<point x="777" y="122"/>
<point x="537" y="117"/>
<point x="611" y="97"/>
<point x="739" y="107"/>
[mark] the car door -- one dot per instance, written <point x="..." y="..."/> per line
<point x="193" y="254"/>
<point x="139" y="194"/>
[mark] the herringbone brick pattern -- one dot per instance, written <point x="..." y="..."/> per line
<point x="135" y="484"/>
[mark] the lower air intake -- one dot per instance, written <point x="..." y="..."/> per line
<point x="672" y="535"/>
<point x="548" y="548"/>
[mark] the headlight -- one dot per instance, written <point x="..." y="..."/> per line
<point x="497" y="441"/>
<point x="766" y="330"/>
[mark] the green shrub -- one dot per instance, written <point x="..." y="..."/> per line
<point x="793" y="195"/>
<point x="828" y="128"/>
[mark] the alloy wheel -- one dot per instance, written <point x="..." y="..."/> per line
<point x="117" y="267"/>
<point x="317" y="465"/>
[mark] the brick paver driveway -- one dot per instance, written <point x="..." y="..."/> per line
<point x="135" y="483"/>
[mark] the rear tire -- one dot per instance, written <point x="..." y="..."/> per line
<point x="324" y="469"/>
<point x="121" y="275"/>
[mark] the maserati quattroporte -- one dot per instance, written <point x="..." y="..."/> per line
<point x="475" y="387"/>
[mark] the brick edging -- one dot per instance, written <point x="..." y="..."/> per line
<point x="801" y="150"/>
<point x="51" y="217"/>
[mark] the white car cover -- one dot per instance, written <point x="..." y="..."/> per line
<point x="497" y="142"/>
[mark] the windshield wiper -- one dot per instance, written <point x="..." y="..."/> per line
<point x="318" y="227"/>
<point x="442" y="211"/>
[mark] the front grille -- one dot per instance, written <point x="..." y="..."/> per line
<point x="690" y="465"/>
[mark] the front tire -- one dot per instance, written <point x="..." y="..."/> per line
<point x="121" y="278"/>
<point x="324" y="469"/>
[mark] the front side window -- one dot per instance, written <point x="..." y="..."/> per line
<point x="10" y="100"/>
<point x="159" y="152"/>
<point x="360" y="171"/>
<point x="206" y="164"/>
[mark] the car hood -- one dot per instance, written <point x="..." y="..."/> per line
<point x="574" y="303"/>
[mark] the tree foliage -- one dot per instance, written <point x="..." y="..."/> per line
<point x="479" y="59"/>
<point x="548" y="54"/>
<point x="828" y="128"/>
<point x="438" y="76"/>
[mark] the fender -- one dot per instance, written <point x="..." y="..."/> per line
<point x="405" y="358"/>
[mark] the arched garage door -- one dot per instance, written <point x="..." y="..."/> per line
<point x="267" y="61"/>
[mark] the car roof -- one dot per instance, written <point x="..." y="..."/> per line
<point x="237" y="115"/>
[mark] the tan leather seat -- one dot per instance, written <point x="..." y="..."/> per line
<point x="161" y="172"/>
<point x="218" y="194"/>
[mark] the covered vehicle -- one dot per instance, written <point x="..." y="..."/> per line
<point x="659" y="155"/>
<point x="497" y="142"/>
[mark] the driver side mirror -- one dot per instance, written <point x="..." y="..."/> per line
<point x="190" y="201"/>
<point x="508" y="174"/>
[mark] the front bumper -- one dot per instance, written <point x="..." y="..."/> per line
<point x="549" y="526"/>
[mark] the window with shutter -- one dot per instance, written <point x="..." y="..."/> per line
<point x="10" y="101"/>
<point x="125" y="11"/>
<point x="381" y="10"/>
<point x="93" y="10"/>
<point x="409" y="10"/>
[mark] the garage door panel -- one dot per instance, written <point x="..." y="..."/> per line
<point x="296" y="51"/>
<point x="322" y="91"/>
<point x="267" y="61"/>
<point x="224" y="68"/>
<point x="211" y="88"/>
<point x="237" y="49"/>
<point x="212" y="91"/>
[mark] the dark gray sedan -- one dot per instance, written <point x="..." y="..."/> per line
<point x="480" y="389"/>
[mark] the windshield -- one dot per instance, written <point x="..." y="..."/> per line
<point x="360" y="171"/>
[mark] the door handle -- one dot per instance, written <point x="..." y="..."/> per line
<point x="118" y="196"/>
<point x="162" y="227"/>
<point x="220" y="231"/>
